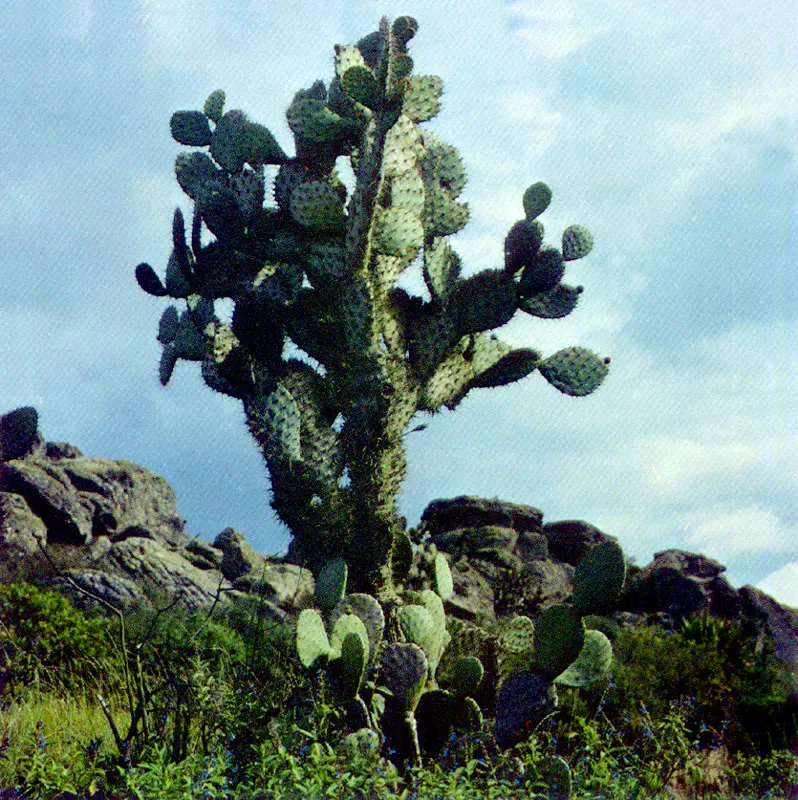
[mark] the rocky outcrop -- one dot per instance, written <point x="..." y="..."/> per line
<point x="107" y="532"/>
<point x="503" y="558"/>
<point x="501" y="549"/>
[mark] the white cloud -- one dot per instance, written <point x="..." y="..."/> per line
<point x="721" y="533"/>
<point x="782" y="584"/>
<point x="553" y="28"/>
<point x="671" y="466"/>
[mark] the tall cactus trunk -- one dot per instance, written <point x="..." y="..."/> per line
<point x="319" y="270"/>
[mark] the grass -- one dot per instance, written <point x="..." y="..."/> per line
<point x="199" y="708"/>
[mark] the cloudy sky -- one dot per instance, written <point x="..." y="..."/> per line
<point x="668" y="127"/>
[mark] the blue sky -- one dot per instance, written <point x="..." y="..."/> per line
<point x="670" y="129"/>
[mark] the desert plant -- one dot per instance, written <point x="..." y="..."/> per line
<point x="319" y="270"/>
<point x="332" y="360"/>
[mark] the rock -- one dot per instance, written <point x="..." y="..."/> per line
<point x="119" y="592"/>
<point x="494" y="546"/>
<point x="680" y="584"/>
<point x="549" y="583"/>
<point x="78" y="498"/>
<point x="19" y="434"/>
<point x="777" y="622"/>
<point x="238" y="558"/>
<point x="111" y="528"/>
<point x="569" y="540"/>
<point x="477" y="512"/>
<point x="472" y="599"/>
<point x="21" y="530"/>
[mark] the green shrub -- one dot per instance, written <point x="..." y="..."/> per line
<point x="46" y="642"/>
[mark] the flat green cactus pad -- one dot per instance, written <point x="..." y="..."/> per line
<point x="524" y="700"/>
<point x="518" y="635"/>
<point x="592" y="662"/>
<point x="577" y="242"/>
<point x="405" y="672"/>
<point x="370" y="613"/>
<point x="575" y="371"/>
<point x="311" y="638"/>
<point x="331" y="583"/>
<point x="599" y="577"/>
<point x="536" y="200"/>
<point x="444" y="585"/>
<point x="559" y="637"/>
<point x="363" y="743"/>
<point x="467" y="675"/>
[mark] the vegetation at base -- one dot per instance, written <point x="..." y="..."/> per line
<point x="231" y="713"/>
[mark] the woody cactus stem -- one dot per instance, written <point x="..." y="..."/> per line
<point x="317" y="272"/>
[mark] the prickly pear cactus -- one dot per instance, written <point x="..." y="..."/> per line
<point x="557" y="649"/>
<point x="310" y="261"/>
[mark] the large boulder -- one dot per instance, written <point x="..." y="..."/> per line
<point x="107" y="533"/>
<point x="681" y="584"/>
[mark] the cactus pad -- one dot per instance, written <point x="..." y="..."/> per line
<point x="522" y="244"/>
<point x="405" y="672"/>
<point x="312" y="643"/>
<point x="592" y="662"/>
<point x="467" y="675"/>
<point x="363" y="743"/>
<point x="148" y="280"/>
<point x="190" y="128"/>
<point x="317" y="204"/>
<point x="524" y="700"/>
<point x="331" y="584"/>
<point x="558" y="777"/>
<point x="417" y="625"/>
<point x="344" y="625"/>
<point x="559" y="637"/>
<point x="214" y="105"/>
<point x="442" y="577"/>
<point x="557" y="303"/>
<point x="352" y="662"/>
<point x="575" y="371"/>
<point x="370" y="613"/>
<point x="536" y="200"/>
<point x="518" y="635"/>
<point x="577" y="242"/>
<point x="599" y="577"/>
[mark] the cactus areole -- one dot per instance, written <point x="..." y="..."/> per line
<point x="329" y="357"/>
